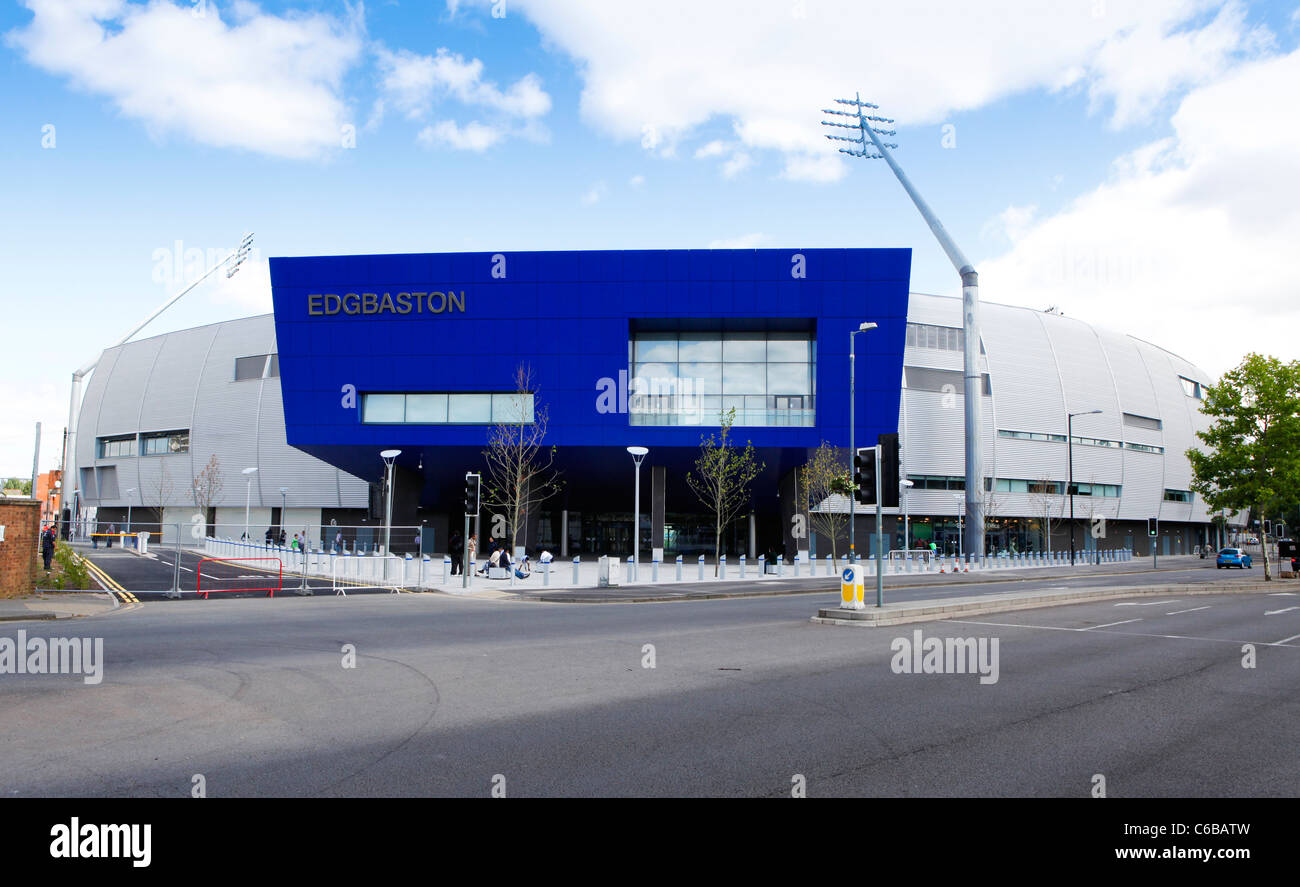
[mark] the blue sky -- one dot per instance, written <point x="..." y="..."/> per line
<point x="1132" y="163"/>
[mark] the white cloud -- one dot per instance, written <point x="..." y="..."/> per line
<point x="715" y="148"/>
<point x="265" y="83"/>
<point x="1192" y="241"/>
<point x="1011" y="223"/>
<point x="736" y="164"/>
<point x="744" y="241"/>
<point x="595" y="194"/>
<point x="473" y="136"/>
<point x="655" y="72"/>
<point x="414" y="83"/>
<point x="636" y="181"/>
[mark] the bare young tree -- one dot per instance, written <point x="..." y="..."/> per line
<point x="521" y="469"/>
<point x="159" y="491"/>
<point x="1048" y="505"/>
<point x="992" y="507"/>
<point x="207" y="485"/>
<point x="722" y="477"/>
<point x="826" y="475"/>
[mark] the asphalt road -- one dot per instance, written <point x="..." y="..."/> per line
<point x="450" y="696"/>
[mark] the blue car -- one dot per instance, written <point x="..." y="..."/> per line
<point x="1233" y="557"/>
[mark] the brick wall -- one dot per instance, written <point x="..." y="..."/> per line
<point x="19" y="552"/>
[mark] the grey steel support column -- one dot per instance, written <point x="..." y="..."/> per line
<point x="564" y="533"/>
<point x="753" y="536"/>
<point x="970" y="301"/>
<point x="658" y="484"/>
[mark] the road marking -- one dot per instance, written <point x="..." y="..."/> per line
<point x="1192" y="610"/>
<point x="1146" y="603"/>
<point x="1109" y="624"/>
<point x="1275" y="612"/>
<point x="1284" y="640"/>
<point x="1281" y="594"/>
<point x="1127" y="634"/>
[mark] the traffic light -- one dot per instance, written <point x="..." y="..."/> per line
<point x="1268" y="528"/>
<point x="889" y="459"/>
<point x="472" y="483"/>
<point x="1153" y="526"/>
<point x="864" y="476"/>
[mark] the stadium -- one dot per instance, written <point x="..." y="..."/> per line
<point x="637" y="348"/>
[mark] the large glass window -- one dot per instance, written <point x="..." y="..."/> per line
<point x="453" y="408"/>
<point x="686" y="378"/>
<point x="164" y="442"/>
<point x="115" y="447"/>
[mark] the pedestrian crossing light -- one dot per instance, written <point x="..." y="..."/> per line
<point x="472" y="483"/>
<point x="1153" y="526"/>
<point x="864" y="476"/>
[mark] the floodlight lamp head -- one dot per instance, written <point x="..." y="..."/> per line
<point x="249" y="471"/>
<point x="866" y="326"/>
<point x="390" y="455"/>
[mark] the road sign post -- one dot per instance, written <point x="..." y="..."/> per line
<point x="1153" y="533"/>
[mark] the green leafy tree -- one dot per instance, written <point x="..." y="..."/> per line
<point x="826" y="474"/>
<point x="17" y="483"/>
<point x="722" y="477"/>
<point x="1252" y="455"/>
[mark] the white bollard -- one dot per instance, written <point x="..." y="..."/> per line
<point x="722" y="566"/>
<point x="576" y="561"/>
<point x="830" y="566"/>
<point x="654" y="570"/>
<point x="780" y="566"/>
<point x="700" y="562"/>
<point x="679" y="568"/>
<point x="742" y="566"/>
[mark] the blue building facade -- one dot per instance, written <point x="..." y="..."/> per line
<point x="638" y="347"/>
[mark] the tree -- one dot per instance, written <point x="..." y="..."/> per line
<point x="1048" y="507"/>
<point x="17" y="483"/>
<point x="521" y="470"/>
<point x="207" y="486"/>
<point x="722" y="477"/>
<point x="159" y="491"/>
<point x="825" y="475"/>
<point x="1252" y="460"/>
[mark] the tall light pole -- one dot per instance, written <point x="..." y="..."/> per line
<point x="1069" y="484"/>
<point x="248" y="497"/>
<point x="388" y="456"/>
<point x="853" y="500"/>
<point x="637" y="453"/>
<point x="866" y="131"/>
<point x="284" y="498"/>
<point x="235" y="259"/>
<point x="128" y="509"/>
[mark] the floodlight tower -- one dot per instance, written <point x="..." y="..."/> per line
<point x="869" y="146"/>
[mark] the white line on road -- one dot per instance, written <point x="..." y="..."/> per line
<point x="1275" y="612"/>
<point x="1109" y="624"/>
<point x="1146" y="603"/>
<point x="1281" y="594"/>
<point x="1284" y="640"/>
<point x="1127" y="634"/>
<point x="1192" y="610"/>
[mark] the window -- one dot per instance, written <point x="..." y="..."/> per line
<point x="1097" y="442"/>
<point x="688" y="378"/>
<point x="944" y="338"/>
<point x="1191" y="387"/>
<point x="1136" y="421"/>
<point x="1178" y="495"/>
<point x="936" y="482"/>
<point x="929" y="379"/>
<point x="1110" y="491"/>
<point x="1039" y="487"/>
<point x="116" y="447"/>
<point x="455" y="408"/>
<point x="164" y="442"/>
<point x="1143" y="448"/>
<point x="258" y="366"/>
<point x="1031" y="435"/>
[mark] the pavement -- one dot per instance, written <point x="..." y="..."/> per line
<point x="56" y="605"/>
<point x="1175" y="695"/>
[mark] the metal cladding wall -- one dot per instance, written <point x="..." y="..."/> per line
<point x="185" y="380"/>
<point x="567" y="315"/>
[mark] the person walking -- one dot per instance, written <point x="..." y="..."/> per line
<point x="47" y="546"/>
<point x="456" y="548"/>
<point x="473" y="550"/>
<point x="112" y="531"/>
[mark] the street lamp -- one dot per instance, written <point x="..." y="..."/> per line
<point x="1069" y="484"/>
<point x="862" y="328"/>
<point x="961" y="500"/>
<point x="128" y="510"/>
<point x="248" y="496"/>
<point x="637" y="453"/>
<point x="388" y="456"/>
<point x="903" y="486"/>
